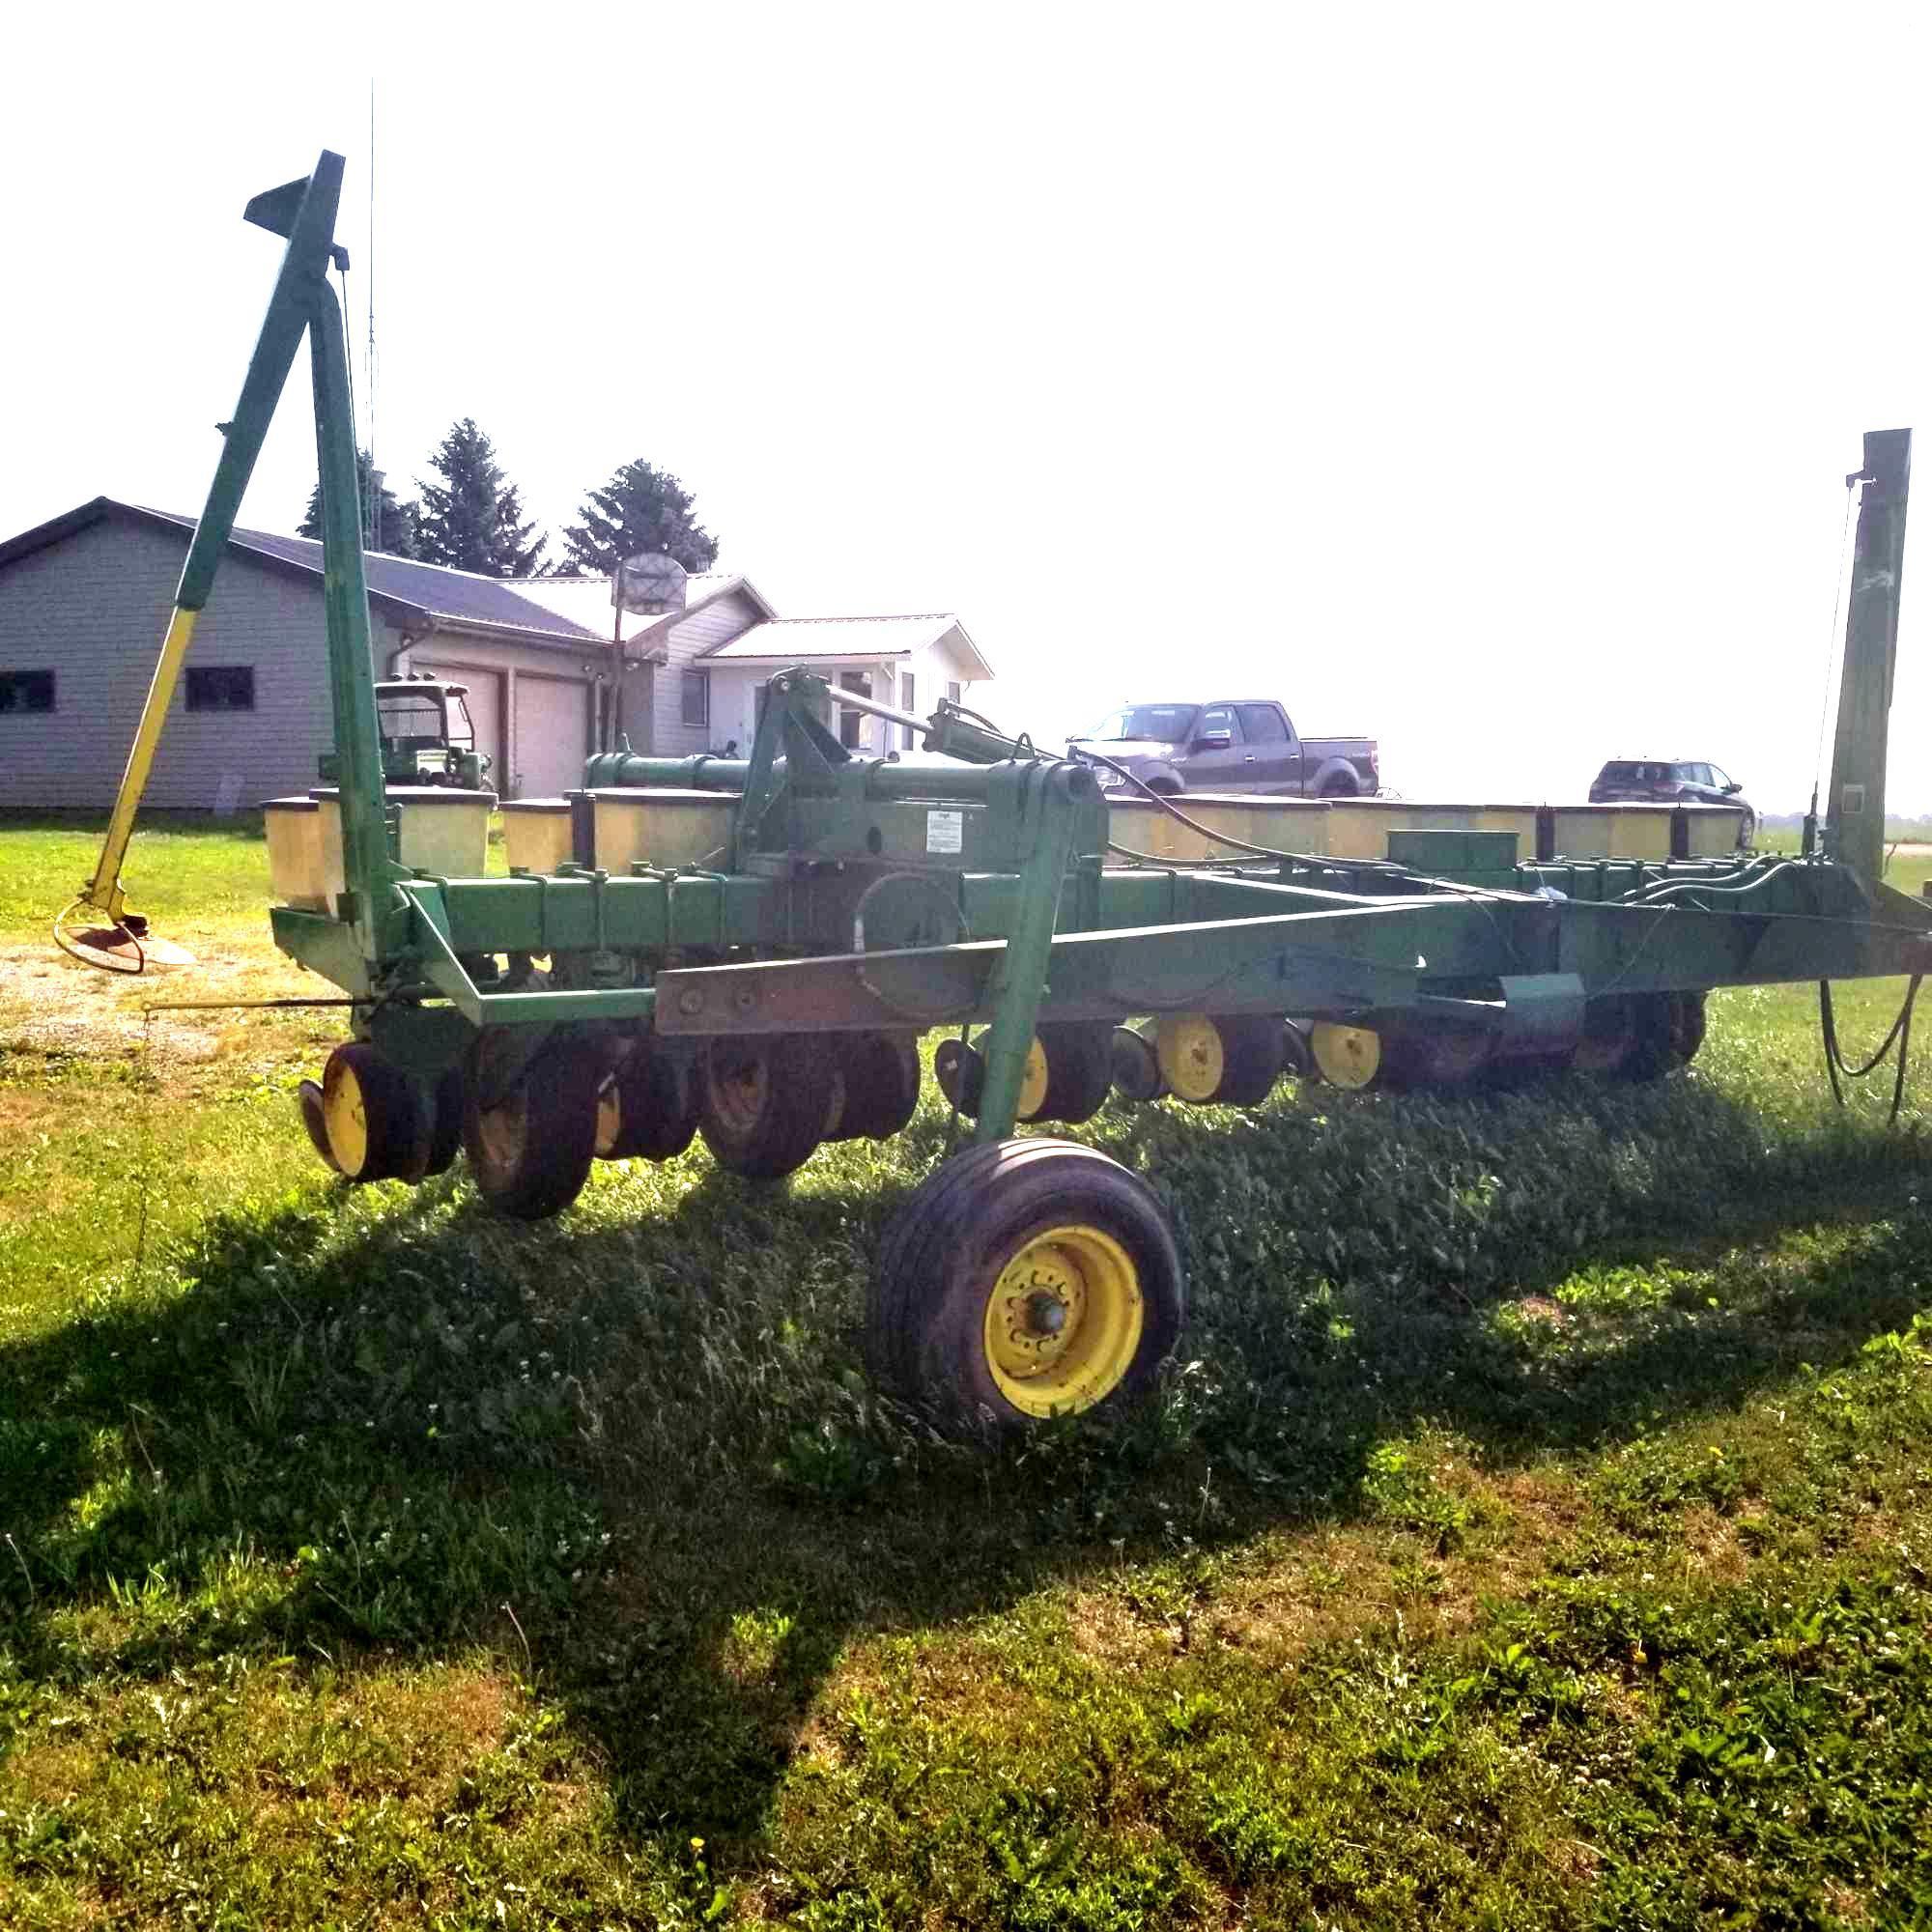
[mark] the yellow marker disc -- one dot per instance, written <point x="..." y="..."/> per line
<point x="1033" y="1082"/>
<point x="1192" y="1059"/>
<point x="1064" y="1321"/>
<point x="344" y="1116"/>
<point x="1346" y="1056"/>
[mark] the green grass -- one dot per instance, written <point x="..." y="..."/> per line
<point x="1534" y="1530"/>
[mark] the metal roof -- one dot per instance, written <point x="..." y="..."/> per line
<point x="568" y="611"/>
<point x="787" y="640"/>
<point x="458" y="595"/>
<point x="586" y="601"/>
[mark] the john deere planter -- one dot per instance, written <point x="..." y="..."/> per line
<point x="771" y="995"/>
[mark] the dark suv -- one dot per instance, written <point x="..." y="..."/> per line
<point x="1671" y="782"/>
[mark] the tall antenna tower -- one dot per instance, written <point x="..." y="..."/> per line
<point x="372" y="517"/>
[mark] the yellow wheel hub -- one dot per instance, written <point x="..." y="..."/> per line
<point x="1192" y="1059"/>
<point x="1346" y="1056"/>
<point x="1033" y="1082"/>
<point x="609" y="1116"/>
<point x="345" y="1117"/>
<point x="741" y="1092"/>
<point x="1064" y="1321"/>
<point x="504" y="1129"/>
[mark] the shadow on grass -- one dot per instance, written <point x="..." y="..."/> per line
<point x="639" y="1441"/>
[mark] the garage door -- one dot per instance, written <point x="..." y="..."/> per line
<point x="485" y="700"/>
<point x="553" y="734"/>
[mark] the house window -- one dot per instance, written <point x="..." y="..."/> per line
<point x="221" y="688"/>
<point x="852" y="724"/>
<point x="697" y="697"/>
<point x="26" y="691"/>
<point x="955" y="693"/>
<point x="909" y="701"/>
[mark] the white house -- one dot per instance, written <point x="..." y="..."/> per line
<point x="85" y="597"/>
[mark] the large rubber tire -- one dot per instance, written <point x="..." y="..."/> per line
<point x="648" y="1109"/>
<point x="530" y="1153"/>
<point x="1001" y="1227"/>
<point x="763" y="1100"/>
<point x="876" y="1087"/>
<point x="372" y="1121"/>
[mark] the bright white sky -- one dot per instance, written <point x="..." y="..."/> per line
<point x="1481" y="377"/>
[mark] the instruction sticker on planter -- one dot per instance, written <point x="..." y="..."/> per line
<point x="945" y="831"/>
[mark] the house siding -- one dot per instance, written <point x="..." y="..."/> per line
<point x="716" y="624"/>
<point x="94" y="609"/>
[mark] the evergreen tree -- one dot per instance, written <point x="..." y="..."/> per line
<point x="640" y="509"/>
<point x="393" y="528"/>
<point x="473" y="519"/>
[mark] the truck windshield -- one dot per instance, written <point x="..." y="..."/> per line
<point x="412" y="719"/>
<point x="1168" y="722"/>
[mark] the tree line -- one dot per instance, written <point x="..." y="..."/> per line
<point x="471" y="517"/>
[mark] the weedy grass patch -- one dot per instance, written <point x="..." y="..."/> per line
<point x="1533" y="1529"/>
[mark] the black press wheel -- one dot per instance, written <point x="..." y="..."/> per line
<point x="372" y="1120"/>
<point x="445" y="1134"/>
<point x="1025" y="1279"/>
<point x="1220" y="1060"/>
<point x="763" y="1100"/>
<point x="1079" y="1069"/>
<point x="531" y="1149"/>
<point x="648" y="1108"/>
<point x="1668" y="1029"/>
<point x="877" y="1085"/>
<point x="1439" y="1059"/>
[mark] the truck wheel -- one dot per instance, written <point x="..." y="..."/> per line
<point x="762" y="1102"/>
<point x="531" y="1149"/>
<point x="1024" y="1280"/>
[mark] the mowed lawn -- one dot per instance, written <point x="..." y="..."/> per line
<point x="1535" y="1529"/>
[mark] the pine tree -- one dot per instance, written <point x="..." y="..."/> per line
<point x="473" y="519"/>
<point x="393" y="528"/>
<point x="640" y="509"/>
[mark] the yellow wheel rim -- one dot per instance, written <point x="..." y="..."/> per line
<point x="345" y="1117"/>
<point x="503" y="1132"/>
<point x="1033" y="1082"/>
<point x="741" y="1092"/>
<point x="1064" y="1321"/>
<point x="609" y="1116"/>
<point x="1192" y="1059"/>
<point x="1346" y="1056"/>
